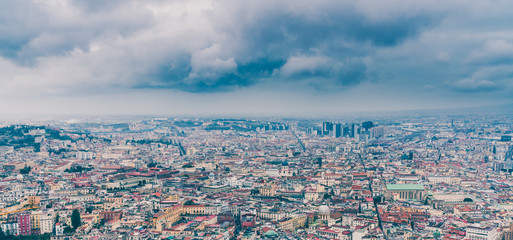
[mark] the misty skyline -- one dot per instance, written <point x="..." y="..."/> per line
<point x="253" y="57"/>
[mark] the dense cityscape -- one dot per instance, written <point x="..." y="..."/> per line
<point x="405" y="177"/>
<point x="256" y="119"/>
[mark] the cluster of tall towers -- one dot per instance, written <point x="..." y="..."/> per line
<point x="365" y="130"/>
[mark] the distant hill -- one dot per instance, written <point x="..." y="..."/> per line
<point x="19" y="136"/>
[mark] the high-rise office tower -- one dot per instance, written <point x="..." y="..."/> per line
<point x="347" y="132"/>
<point x="354" y="130"/>
<point x="367" y="125"/>
<point x="338" y="130"/>
<point x="327" y="127"/>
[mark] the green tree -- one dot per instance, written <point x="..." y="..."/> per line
<point x="326" y="196"/>
<point x="89" y="209"/>
<point x="68" y="229"/>
<point x="25" y="170"/>
<point x="75" y="219"/>
<point x="319" y="161"/>
<point x="102" y="222"/>
<point x="188" y="165"/>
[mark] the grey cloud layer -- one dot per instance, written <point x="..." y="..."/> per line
<point x="217" y="46"/>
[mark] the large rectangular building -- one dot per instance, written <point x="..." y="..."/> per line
<point x="482" y="233"/>
<point x="215" y="189"/>
<point x="167" y="218"/>
<point x="405" y="192"/>
<point x="444" y="179"/>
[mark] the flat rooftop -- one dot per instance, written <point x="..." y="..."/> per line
<point x="398" y="187"/>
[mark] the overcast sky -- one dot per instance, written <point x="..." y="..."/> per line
<point x="253" y="57"/>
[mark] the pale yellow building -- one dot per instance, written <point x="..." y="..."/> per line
<point x="167" y="218"/>
<point x="293" y="222"/>
<point x="269" y="190"/>
<point x="35" y="219"/>
<point x="194" y="209"/>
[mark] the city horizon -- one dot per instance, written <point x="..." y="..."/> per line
<point x="484" y="109"/>
<point x="256" y="120"/>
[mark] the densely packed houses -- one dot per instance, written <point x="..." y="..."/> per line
<point x="190" y="178"/>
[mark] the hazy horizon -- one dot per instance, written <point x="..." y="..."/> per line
<point x="490" y="110"/>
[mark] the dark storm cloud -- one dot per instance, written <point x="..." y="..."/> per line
<point x="173" y="74"/>
<point x="267" y="40"/>
<point x="324" y="73"/>
<point x="199" y="46"/>
<point x="30" y="30"/>
<point x="270" y="40"/>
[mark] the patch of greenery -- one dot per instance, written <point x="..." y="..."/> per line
<point x="25" y="170"/>
<point x="78" y="168"/>
<point x="188" y="165"/>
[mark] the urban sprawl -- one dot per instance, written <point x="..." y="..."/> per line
<point x="417" y="176"/>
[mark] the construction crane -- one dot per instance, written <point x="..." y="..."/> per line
<point x="19" y="210"/>
<point x="27" y="204"/>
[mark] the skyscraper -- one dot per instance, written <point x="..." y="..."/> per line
<point x="338" y="130"/>
<point x="347" y="131"/>
<point x="367" y="125"/>
<point x="354" y="130"/>
<point x="327" y="127"/>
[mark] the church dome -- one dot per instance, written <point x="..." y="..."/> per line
<point x="325" y="210"/>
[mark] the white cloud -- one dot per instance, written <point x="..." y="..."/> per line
<point x="474" y="85"/>
<point x="495" y="50"/>
<point x="305" y="65"/>
<point x="211" y="63"/>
